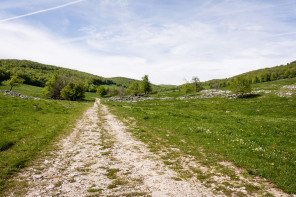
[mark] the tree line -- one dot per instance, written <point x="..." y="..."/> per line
<point x="135" y="89"/>
<point x="61" y="87"/>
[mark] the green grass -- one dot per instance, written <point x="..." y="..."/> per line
<point x="257" y="134"/>
<point x="25" y="90"/>
<point x="29" y="127"/>
<point x="274" y="85"/>
<point x="111" y="173"/>
<point x="36" y="92"/>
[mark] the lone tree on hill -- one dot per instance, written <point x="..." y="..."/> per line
<point x="241" y="86"/>
<point x="145" y="85"/>
<point x="14" y="81"/>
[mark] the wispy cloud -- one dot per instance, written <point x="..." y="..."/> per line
<point x="41" y="11"/>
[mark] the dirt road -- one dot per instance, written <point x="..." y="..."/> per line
<point x="100" y="158"/>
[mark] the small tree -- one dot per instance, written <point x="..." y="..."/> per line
<point x="14" y="81"/>
<point x="54" y="86"/>
<point x="73" y="91"/>
<point x="186" y="87"/>
<point x="90" y="87"/>
<point x="241" y="86"/>
<point x="135" y="88"/>
<point x="112" y="91"/>
<point x="122" y="92"/>
<point x="101" y="91"/>
<point x="145" y="85"/>
<point x="196" y="84"/>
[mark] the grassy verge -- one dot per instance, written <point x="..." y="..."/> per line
<point x="29" y="127"/>
<point x="257" y="134"/>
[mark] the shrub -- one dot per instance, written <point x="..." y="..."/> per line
<point x="241" y="86"/>
<point x="134" y="88"/>
<point x="101" y="91"/>
<point x="73" y="91"/>
<point x="54" y="86"/>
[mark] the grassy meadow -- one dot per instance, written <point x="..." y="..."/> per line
<point x="29" y="127"/>
<point x="257" y="134"/>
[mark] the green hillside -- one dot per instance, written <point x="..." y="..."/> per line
<point x="258" y="76"/>
<point x="126" y="82"/>
<point x="37" y="74"/>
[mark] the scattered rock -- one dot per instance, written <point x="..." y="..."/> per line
<point x="16" y="94"/>
<point x="50" y="187"/>
<point x="37" y="177"/>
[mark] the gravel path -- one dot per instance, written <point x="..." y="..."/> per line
<point x="100" y="158"/>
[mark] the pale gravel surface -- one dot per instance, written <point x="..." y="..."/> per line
<point x="99" y="143"/>
<point x="81" y="164"/>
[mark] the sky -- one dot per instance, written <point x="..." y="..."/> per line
<point x="169" y="40"/>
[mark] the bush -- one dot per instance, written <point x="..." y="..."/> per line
<point x="73" y="92"/>
<point x="101" y="91"/>
<point x="187" y="88"/>
<point x="54" y="86"/>
<point x="134" y="88"/>
<point x="241" y="86"/>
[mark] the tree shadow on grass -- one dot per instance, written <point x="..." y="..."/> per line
<point x="250" y="95"/>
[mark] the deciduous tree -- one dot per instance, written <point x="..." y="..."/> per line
<point x="135" y="88"/>
<point x="196" y="83"/>
<point x="14" y="81"/>
<point x="145" y="85"/>
<point x="73" y="91"/>
<point x="241" y="86"/>
<point x="186" y="87"/>
<point x="54" y="86"/>
<point x="101" y="91"/>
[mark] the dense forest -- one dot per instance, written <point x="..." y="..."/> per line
<point x="259" y="76"/>
<point x="38" y="74"/>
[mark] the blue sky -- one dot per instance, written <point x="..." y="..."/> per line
<point x="170" y="40"/>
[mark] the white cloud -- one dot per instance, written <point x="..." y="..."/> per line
<point x="116" y="40"/>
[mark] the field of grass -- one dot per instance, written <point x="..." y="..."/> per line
<point x="29" y="127"/>
<point x="257" y="134"/>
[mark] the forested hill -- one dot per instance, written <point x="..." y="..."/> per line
<point x="260" y="75"/>
<point x="38" y="74"/>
